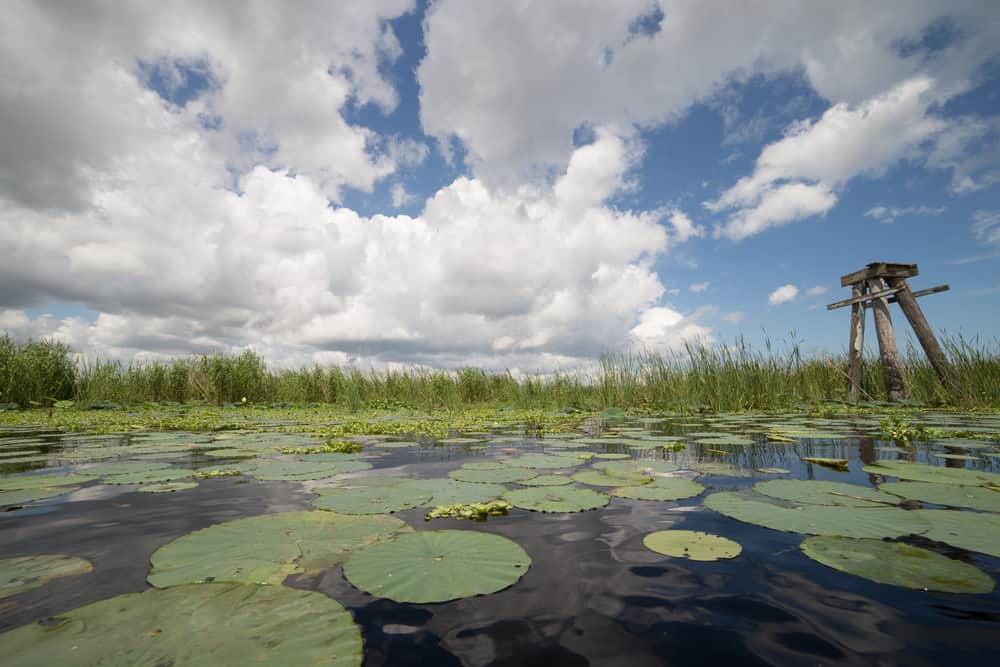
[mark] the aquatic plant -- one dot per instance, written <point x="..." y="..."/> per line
<point x="474" y="511"/>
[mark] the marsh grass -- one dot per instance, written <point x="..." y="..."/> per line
<point x="718" y="378"/>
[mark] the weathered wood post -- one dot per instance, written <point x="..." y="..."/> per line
<point x="876" y="286"/>
<point x="856" y="350"/>
<point x="888" y="352"/>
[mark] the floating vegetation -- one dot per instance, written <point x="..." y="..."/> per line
<point x="834" y="464"/>
<point x="32" y="481"/>
<point x="342" y="446"/>
<point x="546" y="461"/>
<point x="973" y="497"/>
<point x="372" y="496"/>
<point x="662" y="488"/>
<point x="557" y="499"/>
<point x="215" y="624"/>
<point x="611" y="478"/>
<point x="692" y="545"/>
<point x="897" y="564"/>
<point x="304" y="470"/>
<point x="149" y="476"/>
<point x="474" y="511"/>
<point x="810" y="492"/>
<point x="23" y="496"/>
<point x="24" y="573"/>
<point x="918" y="472"/>
<point x="974" y="531"/>
<point x="548" y="480"/>
<point x="437" y="566"/>
<point x="901" y="431"/>
<point x="774" y="471"/>
<point x="874" y="522"/>
<point x="495" y="476"/>
<point x="167" y="487"/>
<point x="266" y="549"/>
<point x="446" y="491"/>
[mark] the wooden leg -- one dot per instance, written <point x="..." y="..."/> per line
<point x="888" y="351"/>
<point x="911" y="309"/>
<point x="857" y="344"/>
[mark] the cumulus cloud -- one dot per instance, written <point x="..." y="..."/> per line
<point x="400" y="197"/>
<point x="683" y="227"/>
<point x="783" y="294"/>
<point x="734" y="317"/>
<point x="524" y="93"/>
<point x="699" y="287"/>
<point x="796" y="176"/>
<point x="888" y="214"/>
<point x="818" y="290"/>
<point x="666" y="330"/>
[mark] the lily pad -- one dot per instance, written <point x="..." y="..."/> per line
<point x="181" y="626"/>
<point x="437" y="566"/>
<point x="362" y="497"/>
<point x="875" y="522"/>
<point x="32" y="495"/>
<point x="548" y="480"/>
<point x="498" y="476"/>
<point x="774" y="471"/>
<point x="266" y="549"/>
<point x="149" y="477"/>
<point x="973" y="531"/>
<point x="21" y="482"/>
<point x="545" y="461"/>
<point x="975" y="497"/>
<point x="611" y="478"/>
<point x="450" y="491"/>
<point x="557" y="499"/>
<point x="839" y="465"/>
<point x="484" y="465"/>
<point x="125" y="468"/>
<point x="811" y="492"/>
<point x="663" y="488"/>
<point x="301" y="470"/>
<point x="612" y="456"/>
<point x="27" y="572"/>
<point x="919" y="472"/>
<point x="691" y="544"/>
<point x="167" y="487"/>
<point x="897" y="564"/>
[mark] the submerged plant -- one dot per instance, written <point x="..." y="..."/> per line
<point x="474" y="511"/>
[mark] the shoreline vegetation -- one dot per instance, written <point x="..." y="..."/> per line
<point x="42" y="373"/>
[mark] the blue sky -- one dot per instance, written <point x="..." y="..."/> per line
<point x="448" y="184"/>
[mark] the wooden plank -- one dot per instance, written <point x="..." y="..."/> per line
<point x="888" y="352"/>
<point x="880" y="270"/>
<point x="858" y="299"/>
<point x="924" y="292"/>
<point x="857" y="342"/>
<point x="911" y="309"/>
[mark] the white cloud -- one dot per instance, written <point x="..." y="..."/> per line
<point x="684" y="228"/>
<point x="698" y="288"/>
<point x="664" y="330"/>
<point x="734" y="317"/>
<point x="888" y="214"/>
<point x="818" y="290"/>
<point x="673" y="291"/>
<point x="783" y="294"/>
<point x="523" y="92"/>
<point x="796" y="176"/>
<point x="400" y="197"/>
<point x="986" y="226"/>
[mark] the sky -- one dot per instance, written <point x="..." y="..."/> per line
<point x="511" y="185"/>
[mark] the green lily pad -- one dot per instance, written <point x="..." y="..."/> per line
<point x="612" y="456"/>
<point x="167" y="487"/>
<point x="484" y="465"/>
<point x="22" y="482"/>
<point x="207" y="625"/>
<point x="609" y="478"/>
<point x="897" y="564"/>
<point x="125" y="468"/>
<point x="919" y="472"/>
<point x="498" y="476"/>
<point x="557" y="499"/>
<point x="266" y="549"/>
<point x="974" y="531"/>
<point x="32" y="495"/>
<point x="975" y="497"/>
<point x="437" y="566"/>
<point x="369" y="497"/>
<point x="452" y="492"/>
<point x="691" y="544"/>
<point x="720" y="469"/>
<point x="27" y="572"/>
<point x="875" y="522"/>
<point x="774" y="471"/>
<point x="548" y="480"/>
<point x="725" y="441"/>
<point x="149" y="477"/>
<point x="812" y="492"/>
<point x="545" y="461"/>
<point x="662" y="488"/>
<point x="301" y="470"/>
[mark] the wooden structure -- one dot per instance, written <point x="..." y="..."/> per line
<point x="876" y="286"/>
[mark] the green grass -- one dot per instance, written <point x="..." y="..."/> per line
<point x="720" y="378"/>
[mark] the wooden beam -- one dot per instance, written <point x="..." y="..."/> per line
<point x="864" y="297"/>
<point x="923" y="292"/>
<point x="911" y="309"/>
<point x="888" y="352"/>
<point x="880" y="270"/>
<point x="857" y="344"/>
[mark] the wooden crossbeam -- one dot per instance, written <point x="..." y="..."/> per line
<point x="880" y="270"/>
<point x="892" y="299"/>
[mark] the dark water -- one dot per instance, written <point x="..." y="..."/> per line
<point x="593" y="594"/>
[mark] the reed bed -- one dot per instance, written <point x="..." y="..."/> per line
<point x="717" y="378"/>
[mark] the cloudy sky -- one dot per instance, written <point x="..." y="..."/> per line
<point x="506" y="184"/>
